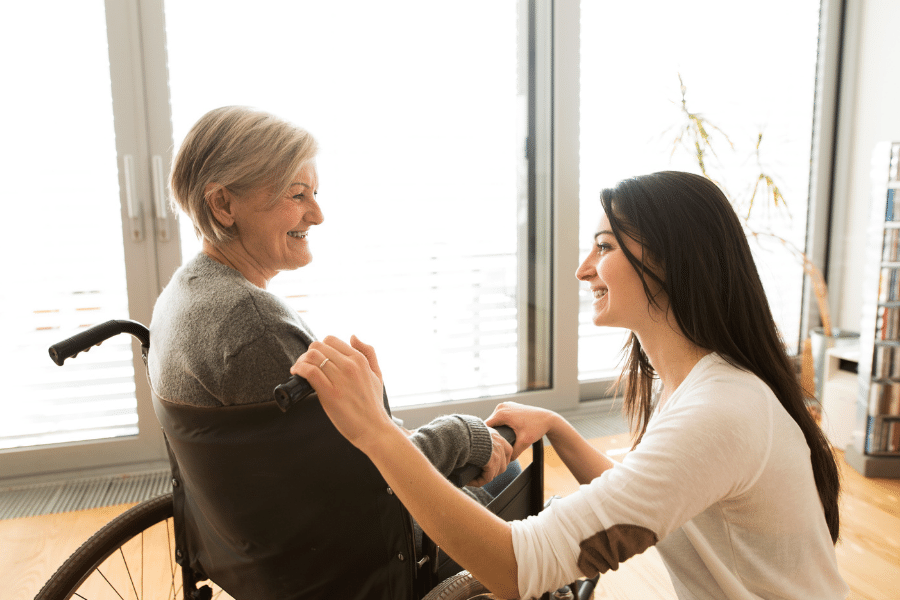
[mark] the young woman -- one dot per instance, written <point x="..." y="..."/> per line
<point x="729" y="476"/>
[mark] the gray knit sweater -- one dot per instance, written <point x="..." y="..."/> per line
<point x="220" y="340"/>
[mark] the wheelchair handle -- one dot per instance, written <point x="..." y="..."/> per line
<point x="96" y="335"/>
<point x="292" y="391"/>
<point x="467" y="473"/>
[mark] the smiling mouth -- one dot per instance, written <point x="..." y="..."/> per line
<point x="599" y="294"/>
<point x="298" y="234"/>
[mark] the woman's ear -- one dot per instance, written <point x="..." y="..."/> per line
<point x="220" y="204"/>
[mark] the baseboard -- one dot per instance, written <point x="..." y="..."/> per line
<point x="872" y="466"/>
<point x="82" y="494"/>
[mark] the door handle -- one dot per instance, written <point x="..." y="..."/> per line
<point x="163" y="231"/>
<point x="132" y="203"/>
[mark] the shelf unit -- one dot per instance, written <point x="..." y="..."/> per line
<point x="874" y="450"/>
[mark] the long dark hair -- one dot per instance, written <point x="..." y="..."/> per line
<point x="702" y="261"/>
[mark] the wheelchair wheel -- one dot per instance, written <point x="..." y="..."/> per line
<point x="133" y="556"/>
<point x="461" y="586"/>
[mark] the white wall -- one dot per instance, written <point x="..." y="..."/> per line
<point x="870" y="113"/>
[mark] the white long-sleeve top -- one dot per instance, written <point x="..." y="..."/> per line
<point x="721" y="483"/>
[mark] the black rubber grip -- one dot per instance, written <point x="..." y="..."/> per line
<point x="292" y="391"/>
<point x="467" y="473"/>
<point x="94" y="336"/>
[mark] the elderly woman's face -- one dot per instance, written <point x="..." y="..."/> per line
<point x="274" y="237"/>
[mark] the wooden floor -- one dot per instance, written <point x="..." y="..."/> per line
<point x="868" y="554"/>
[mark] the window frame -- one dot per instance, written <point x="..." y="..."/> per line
<point x="831" y="122"/>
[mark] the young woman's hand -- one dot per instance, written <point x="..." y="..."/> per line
<point x="529" y="422"/>
<point x="347" y="379"/>
<point x="351" y="394"/>
<point x="369" y="352"/>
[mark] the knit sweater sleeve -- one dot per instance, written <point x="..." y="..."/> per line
<point x="453" y="441"/>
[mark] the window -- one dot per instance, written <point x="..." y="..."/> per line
<point x="58" y="192"/>
<point x="422" y="140"/>
<point x="748" y="68"/>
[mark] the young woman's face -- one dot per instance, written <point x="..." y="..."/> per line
<point x="619" y="297"/>
<point x="275" y="236"/>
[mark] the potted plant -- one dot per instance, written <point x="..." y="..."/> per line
<point x="701" y="139"/>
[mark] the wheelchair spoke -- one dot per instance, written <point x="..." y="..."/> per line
<point x="128" y="571"/>
<point x="145" y="565"/>
<point x="111" y="586"/>
<point x="171" y="555"/>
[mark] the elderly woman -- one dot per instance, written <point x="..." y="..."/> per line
<point x="248" y="182"/>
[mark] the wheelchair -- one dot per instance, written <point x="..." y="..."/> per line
<point x="256" y="512"/>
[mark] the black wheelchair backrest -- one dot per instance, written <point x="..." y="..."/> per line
<point x="275" y="504"/>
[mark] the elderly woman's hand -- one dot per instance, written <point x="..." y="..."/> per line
<point x="347" y="379"/>
<point x="501" y="455"/>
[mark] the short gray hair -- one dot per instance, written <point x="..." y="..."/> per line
<point x="241" y="149"/>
